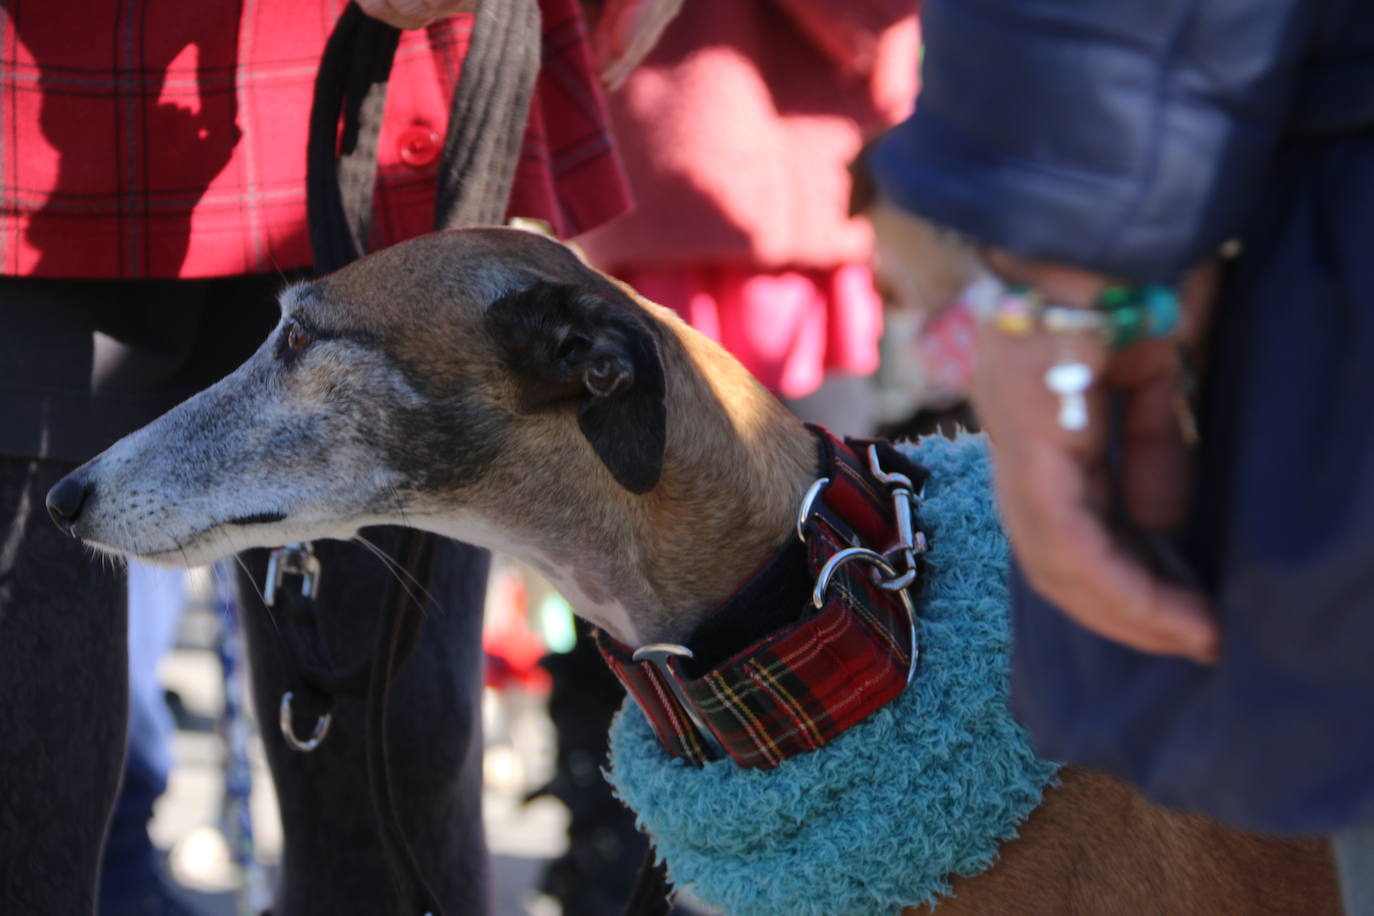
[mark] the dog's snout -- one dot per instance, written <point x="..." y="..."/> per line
<point x="66" y="499"/>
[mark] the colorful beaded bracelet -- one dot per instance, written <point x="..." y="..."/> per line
<point x="1122" y="315"/>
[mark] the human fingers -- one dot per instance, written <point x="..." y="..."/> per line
<point x="1160" y="429"/>
<point x="1156" y="455"/>
<point x="1054" y="485"/>
<point x="1068" y="555"/>
<point x="1013" y="401"/>
<point x="414" y="14"/>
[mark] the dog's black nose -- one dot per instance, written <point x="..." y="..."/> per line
<point x="66" y="499"/>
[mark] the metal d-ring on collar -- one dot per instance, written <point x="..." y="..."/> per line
<point x="807" y="503"/>
<point x="910" y="542"/>
<point x="876" y="559"/>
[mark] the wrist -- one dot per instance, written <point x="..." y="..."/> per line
<point x="1061" y="284"/>
<point x="1018" y="297"/>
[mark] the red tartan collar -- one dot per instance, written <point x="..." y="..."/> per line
<point x="825" y="643"/>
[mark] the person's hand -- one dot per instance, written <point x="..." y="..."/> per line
<point x="414" y="14"/>
<point x="1053" y="484"/>
<point x="625" y="32"/>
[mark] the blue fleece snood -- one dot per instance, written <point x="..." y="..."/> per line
<point x="881" y="817"/>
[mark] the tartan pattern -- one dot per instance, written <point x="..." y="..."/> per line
<point x="153" y="138"/>
<point x="799" y="687"/>
<point x="643" y="681"/>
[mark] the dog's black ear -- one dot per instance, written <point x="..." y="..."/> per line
<point x="567" y="344"/>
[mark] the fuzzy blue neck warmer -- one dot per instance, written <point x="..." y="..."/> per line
<point x="880" y="818"/>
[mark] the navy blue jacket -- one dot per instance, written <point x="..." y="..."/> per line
<point x="1133" y="138"/>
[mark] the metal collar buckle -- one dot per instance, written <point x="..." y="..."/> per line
<point x="297" y="559"/>
<point x="658" y="654"/>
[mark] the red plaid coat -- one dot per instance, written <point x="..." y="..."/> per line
<point x="159" y="138"/>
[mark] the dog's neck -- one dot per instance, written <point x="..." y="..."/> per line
<point x="649" y="568"/>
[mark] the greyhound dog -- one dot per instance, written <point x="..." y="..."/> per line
<point x="487" y="385"/>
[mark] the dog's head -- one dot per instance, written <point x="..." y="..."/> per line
<point x="388" y="392"/>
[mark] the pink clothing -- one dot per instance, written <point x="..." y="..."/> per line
<point x="737" y="132"/>
<point x="738" y="129"/>
<point x="788" y="327"/>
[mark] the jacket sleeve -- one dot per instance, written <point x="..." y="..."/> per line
<point x="1124" y="136"/>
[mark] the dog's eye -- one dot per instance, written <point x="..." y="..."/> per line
<point x="297" y="338"/>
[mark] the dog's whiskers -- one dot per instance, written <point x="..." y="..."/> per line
<point x="394" y="565"/>
<point x="400" y="505"/>
<point x="398" y="570"/>
<point x="253" y="583"/>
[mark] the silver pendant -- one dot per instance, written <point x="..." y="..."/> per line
<point x="1070" y="379"/>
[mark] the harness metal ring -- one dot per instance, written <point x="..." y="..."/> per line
<point x="288" y="730"/>
<point x="842" y="557"/>
<point x="809" y="500"/>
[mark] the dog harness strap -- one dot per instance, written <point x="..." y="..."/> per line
<point x="806" y="679"/>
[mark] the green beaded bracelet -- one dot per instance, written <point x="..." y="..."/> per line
<point x="1139" y="313"/>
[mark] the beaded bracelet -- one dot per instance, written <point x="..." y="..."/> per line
<point x="1122" y="315"/>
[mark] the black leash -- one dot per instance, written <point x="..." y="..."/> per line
<point x="401" y="621"/>
<point x="351" y="84"/>
<point x="481" y="145"/>
<point x="486" y="127"/>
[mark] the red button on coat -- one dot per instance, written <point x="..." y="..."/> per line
<point x="418" y="146"/>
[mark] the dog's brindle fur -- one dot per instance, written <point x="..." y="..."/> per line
<point x="487" y="385"/>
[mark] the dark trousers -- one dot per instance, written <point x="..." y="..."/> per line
<point x="82" y="363"/>
<point x="63" y="701"/>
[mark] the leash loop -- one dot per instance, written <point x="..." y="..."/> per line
<point x="288" y="727"/>
<point x="840" y="558"/>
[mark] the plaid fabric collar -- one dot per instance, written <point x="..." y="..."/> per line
<point x="804" y="674"/>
